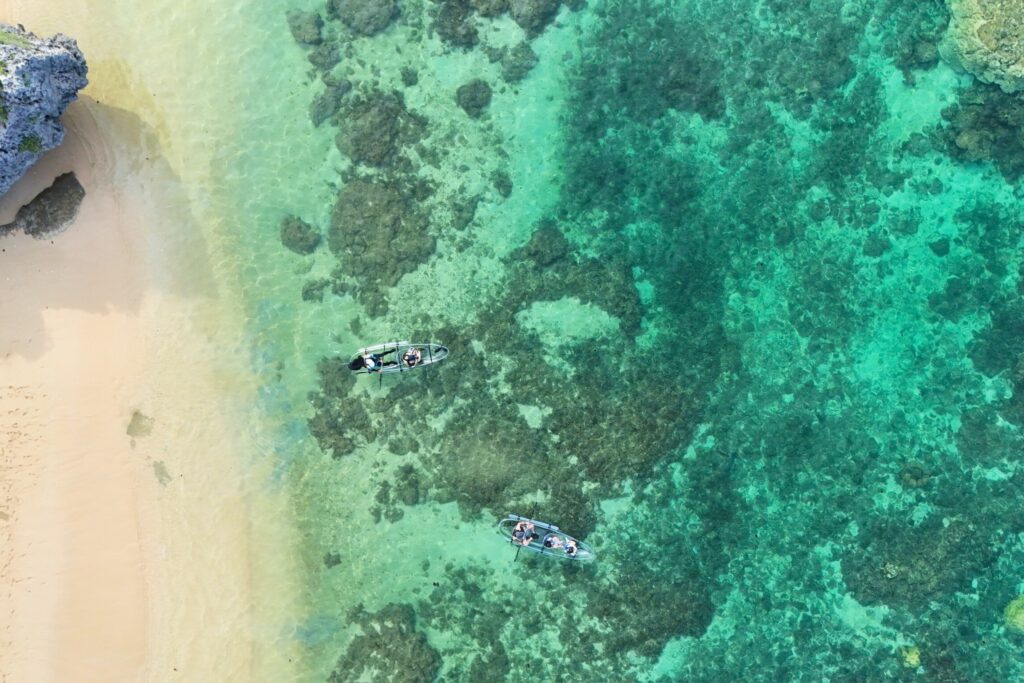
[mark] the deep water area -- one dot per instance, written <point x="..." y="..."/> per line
<point x="733" y="291"/>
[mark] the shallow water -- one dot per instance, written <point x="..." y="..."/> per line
<point x="747" y="321"/>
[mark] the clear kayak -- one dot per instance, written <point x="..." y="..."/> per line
<point x="584" y="553"/>
<point x="391" y="357"/>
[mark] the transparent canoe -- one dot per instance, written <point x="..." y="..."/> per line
<point x="393" y="364"/>
<point x="584" y="553"/>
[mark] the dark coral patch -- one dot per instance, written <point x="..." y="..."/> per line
<point x="473" y="97"/>
<point x="533" y="15"/>
<point x="298" y="235"/>
<point x="389" y="648"/>
<point x="489" y="8"/>
<point x="517" y="62"/>
<point x="365" y="17"/>
<point x="902" y="565"/>
<point x="379" y="233"/>
<point x="305" y="26"/>
<point x="986" y="125"/>
<point x="454" y="24"/>
<point x="376" y="126"/>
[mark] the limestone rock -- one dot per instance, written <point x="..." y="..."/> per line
<point x="986" y="38"/>
<point x="39" y="77"/>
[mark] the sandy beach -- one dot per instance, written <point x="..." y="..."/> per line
<point x="125" y="517"/>
<point x="73" y="350"/>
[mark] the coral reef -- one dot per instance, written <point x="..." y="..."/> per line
<point x="39" y="78"/>
<point x="313" y="290"/>
<point x="325" y="105"/>
<point x="793" y="402"/>
<point x="489" y="8"/>
<point x="502" y="183"/>
<point x="901" y="565"/>
<point x="338" y="423"/>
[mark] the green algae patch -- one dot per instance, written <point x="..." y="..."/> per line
<point x="31" y="144"/>
<point x="7" y="38"/>
<point x="1013" y="615"/>
<point x="910" y="656"/>
<point x="139" y="425"/>
<point x="163" y="477"/>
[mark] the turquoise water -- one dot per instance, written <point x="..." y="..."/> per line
<point x="732" y="292"/>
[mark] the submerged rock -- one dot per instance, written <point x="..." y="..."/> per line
<point x="489" y="8"/>
<point x="366" y="17"/>
<point x="986" y="125"/>
<point x="299" y="236"/>
<point x="517" y="62"/>
<point x="533" y="15"/>
<point x="39" y="77"/>
<point x="305" y="26"/>
<point x="389" y="648"/>
<point x="376" y="127"/>
<point x="474" y="97"/>
<point x="52" y="211"/>
<point x="454" y="24"/>
<point x="140" y="425"/>
<point x="378" y="233"/>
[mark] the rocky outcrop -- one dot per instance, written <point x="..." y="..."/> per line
<point x="53" y="209"/>
<point x="39" y="77"/>
<point x="986" y="38"/>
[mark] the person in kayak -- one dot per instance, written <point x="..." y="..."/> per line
<point x="371" y="362"/>
<point x="412" y="357"/>
<point x="570" y="547"/>
<point x="552" y="541"/>
<point x="523" y="533"/>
